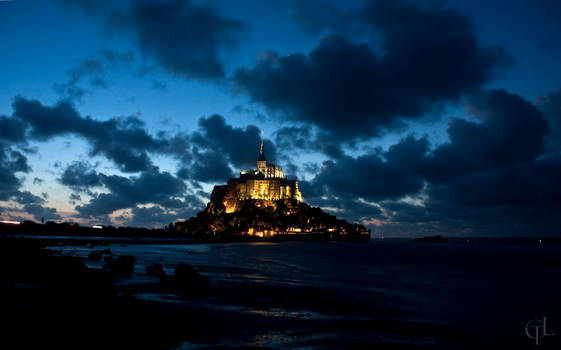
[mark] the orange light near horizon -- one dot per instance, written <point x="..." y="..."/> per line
<point x="9" y="222"/>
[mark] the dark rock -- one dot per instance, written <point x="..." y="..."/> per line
<point x="95" y="256"/>
<point x="187" y="281"/>
<point x="122" y="267"/>
<point x="107" y="258"/>
<point x="106" y="251"/>
<point x="127" y="259"/>
<point x="273" y="219"/>
<point x="60" y="270"/>
<point x="155" y="270"/>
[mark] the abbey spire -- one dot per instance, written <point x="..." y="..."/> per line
<point x="262" y="152"/>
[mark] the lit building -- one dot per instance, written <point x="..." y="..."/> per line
<point x="262" y="203"/>
<point x="266" y="183"/>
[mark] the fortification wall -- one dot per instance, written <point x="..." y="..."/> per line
<point x="236" y="191"/>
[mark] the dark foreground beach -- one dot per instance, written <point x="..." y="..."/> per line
<point x="391" y="294"/>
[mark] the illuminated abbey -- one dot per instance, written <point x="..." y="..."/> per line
<point x="266" y="183"/>
<point x="263" y="204"/>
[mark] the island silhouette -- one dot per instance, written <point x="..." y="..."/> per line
<point x="263" y="203"/>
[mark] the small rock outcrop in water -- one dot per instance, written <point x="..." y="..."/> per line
<point x="155" y="270"/>
<point x="431" y="239"/>
<point x="187" y="281"/>
<point x="95" y="256"/>
<point x="122" y="267"/>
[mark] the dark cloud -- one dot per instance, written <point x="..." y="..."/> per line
<point x="37" y="180"/>
<point x="208" y="154"/>
<point x="46" y="122"/>
<point x="304" y="139"/>
<point x="151" y="186"/>
<point x="550" y="105"/>
<point x="240" y="145"/>
<point x="80" y="176"/>
<point x="150" y="217"/>
<point x="521" y="199"/>
<point x="494" y="176"/>
<point x="157" y="216"/>
<point x="11" y="130"/>
<point x="94" y="70"/>
<point x="26" y="197"/>
<point x="497" y="167"/>
<point x="375" y="176"/>
<point x="348" y="89"/>
<point x="178" y="146"/>
<point x="205" y="154"/>
<point x="208" y="167"/>
<point x="122" y="140"/>
<point x="318" y="16"/>
<point x="510" y="130"/>
<point x="529" y="186"/>
<point x="11" y="162"/>
<point x="183" y="37"/>
<point x="294" y="137"/>
<point x="352" y="209"/>
<point x="39" y="212"/>
<point x="71" y="90"/>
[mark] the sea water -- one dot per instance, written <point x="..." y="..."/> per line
<point x="481" y="291"/>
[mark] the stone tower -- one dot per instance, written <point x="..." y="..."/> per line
<point x="262" y="161"/>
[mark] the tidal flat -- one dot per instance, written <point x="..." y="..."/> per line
<point x="390" y="294"/>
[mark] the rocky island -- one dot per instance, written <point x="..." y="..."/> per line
<point x="263" y="204"/>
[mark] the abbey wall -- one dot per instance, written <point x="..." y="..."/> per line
<point x="266" y="183"/>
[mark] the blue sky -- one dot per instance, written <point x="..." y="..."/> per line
<point x="124" y="71"/>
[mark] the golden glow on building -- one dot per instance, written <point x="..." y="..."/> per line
<point x="266" y="183"/>
<point x="263" y="203"/>
<point x="260" y="232"/>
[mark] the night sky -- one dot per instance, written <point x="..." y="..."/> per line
<point x="412" y="117"/>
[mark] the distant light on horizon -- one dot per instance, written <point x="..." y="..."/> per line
<point x="97" y="226"/>
<point x="9" y="222"/>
